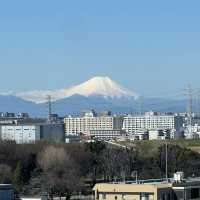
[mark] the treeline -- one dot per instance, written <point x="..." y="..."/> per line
<point x="65" y="169"/>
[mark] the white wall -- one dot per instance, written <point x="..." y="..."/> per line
<point x="21" y="133"/>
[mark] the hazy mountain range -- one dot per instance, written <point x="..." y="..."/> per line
<point x="99" y="93"/>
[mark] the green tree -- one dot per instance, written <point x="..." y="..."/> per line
<point x="18" y="177"/>
<point x="96" y="148"/>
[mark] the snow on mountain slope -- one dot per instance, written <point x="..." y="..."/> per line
<point x="97" y="86"/>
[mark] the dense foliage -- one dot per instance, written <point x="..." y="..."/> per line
<point x="64" y="169"/>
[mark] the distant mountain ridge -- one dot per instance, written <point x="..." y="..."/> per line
<point x="99" y="93"/>
<point x="75" y="104"/>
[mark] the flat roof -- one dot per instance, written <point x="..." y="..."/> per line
<point x="124" y="187"/>
<point x="147" y="181"/>
<point x="156" y="182"/>
<point x="187" y="182"/>
<point x="5" y="186"/>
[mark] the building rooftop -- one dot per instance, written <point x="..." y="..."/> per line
<point x="5" y="186"/>
<point x="186" y="181"/>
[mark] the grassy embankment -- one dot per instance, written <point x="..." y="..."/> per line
<point x="147" y="148"/>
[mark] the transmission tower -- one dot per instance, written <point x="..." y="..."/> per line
<point x="189" y="93"/>
<point x="198" y="102"/>
<point x="141" y="104"/>
<point x="49" y="106"/>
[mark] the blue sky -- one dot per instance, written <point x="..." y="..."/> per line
<point x="149" y="46"/>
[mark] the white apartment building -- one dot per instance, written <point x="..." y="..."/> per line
<point x="89" y="122"/>
<point x="151" y="121"/>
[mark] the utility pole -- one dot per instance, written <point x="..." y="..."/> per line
<point x="166" y="161"/>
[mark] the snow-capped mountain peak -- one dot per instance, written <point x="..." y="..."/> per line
<point x="102" y="86"/>
<point x="96" y="86"/>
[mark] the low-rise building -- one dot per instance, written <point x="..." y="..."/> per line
<point x="106" y="134"/>
<point x="159" y="134"/>
<point x="140" y="135"/>
<point x="171" y="189"/>
<point x="6" y="192"/>
<point x="72" y="138"/>
<point x="123" y="191"/>
<point x="21" y="120"/>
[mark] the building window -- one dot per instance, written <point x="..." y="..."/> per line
<point x="144" y="196"/>
<point x="103" y="196"/>
<point x="168" y="196"/>
<point x="195" y="193"/>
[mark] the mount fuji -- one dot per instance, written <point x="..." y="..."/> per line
<point x="97" y="86"/>
<point x="99" y="93"/>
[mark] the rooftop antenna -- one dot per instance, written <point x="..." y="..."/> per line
<point x="135" y="174"/>
<point x="123" y="175"/>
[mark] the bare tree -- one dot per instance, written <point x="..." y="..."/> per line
<point x="52" y="157"/>
<point x="116" y="162"/>
<point x="61" y="173"/>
